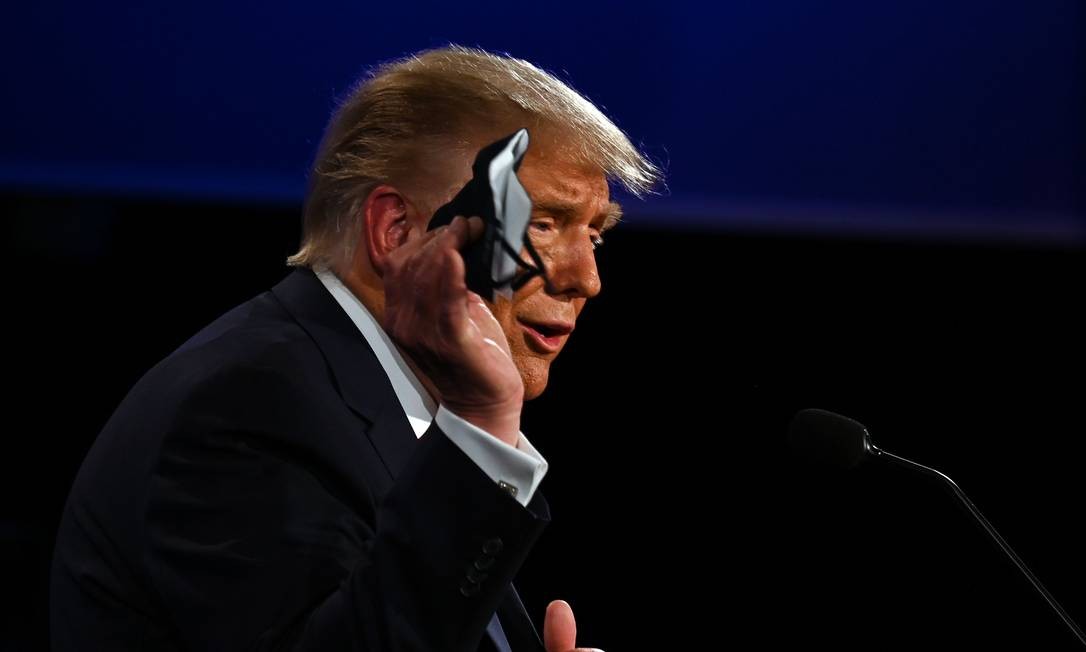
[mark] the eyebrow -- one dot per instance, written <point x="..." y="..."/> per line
<point x="565" y="210"/>
<point x="614" y="216"/>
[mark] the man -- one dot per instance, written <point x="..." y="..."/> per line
<point x="338" y="463"/>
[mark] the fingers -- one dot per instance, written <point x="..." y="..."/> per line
<point x="450" y="332"/>
<point x="559" y="627"/>
<point x="420" y="246"/>
<point x="420" y="281"/>
<point x="476" y="226"/>
<point x="456" y="234"/>
<point x="429" y="272"/>
<point x="434" y="260"/>
<point x="454" y="309"/>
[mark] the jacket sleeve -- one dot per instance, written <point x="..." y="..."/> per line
<point x="249" y="545"/>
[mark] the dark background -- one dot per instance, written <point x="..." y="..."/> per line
<point x="877" y="210"/>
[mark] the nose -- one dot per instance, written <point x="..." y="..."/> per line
<point x="572" y="270"/>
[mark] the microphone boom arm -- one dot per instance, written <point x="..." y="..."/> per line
<point x="964" y="500"/>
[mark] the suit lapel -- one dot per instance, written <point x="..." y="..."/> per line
<point x="360" y="379"/>
<point x="366" y="389"/>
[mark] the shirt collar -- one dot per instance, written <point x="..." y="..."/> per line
<point x="415" y="400"/>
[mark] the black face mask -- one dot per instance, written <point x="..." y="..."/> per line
<point x="494" y="193"/>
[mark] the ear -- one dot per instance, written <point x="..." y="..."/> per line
<point x="386" y="224"/>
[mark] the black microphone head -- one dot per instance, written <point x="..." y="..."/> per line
<point x="828" y="439"/>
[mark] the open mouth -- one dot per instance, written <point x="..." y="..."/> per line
<point x="545" y="337"/>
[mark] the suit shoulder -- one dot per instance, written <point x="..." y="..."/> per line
<point x="256" y="332"/>
<point x="256" y="352"/>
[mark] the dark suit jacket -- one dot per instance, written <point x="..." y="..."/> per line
<point x="261" y="488"/>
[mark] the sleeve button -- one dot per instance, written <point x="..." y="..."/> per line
<point x="475" y="576"/>
<point x="468" y="590"/>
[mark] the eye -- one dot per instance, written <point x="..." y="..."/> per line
<point x="597" y="241"/>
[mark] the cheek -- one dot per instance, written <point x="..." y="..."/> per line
<point x="534" y="369"/>
<point x="503" y="312"/>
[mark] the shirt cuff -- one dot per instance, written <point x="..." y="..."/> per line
<point x="516" y="470"/>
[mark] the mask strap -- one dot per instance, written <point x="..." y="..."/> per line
<point x="518" y="281"/>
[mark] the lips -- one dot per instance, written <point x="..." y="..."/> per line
<point x="545" y="336"/>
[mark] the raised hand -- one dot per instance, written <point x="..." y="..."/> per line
<point x="449" y="331"/>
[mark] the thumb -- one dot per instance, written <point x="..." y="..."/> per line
<point x="559" y="627"/>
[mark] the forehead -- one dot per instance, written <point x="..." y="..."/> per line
<point x="556" y="182"/>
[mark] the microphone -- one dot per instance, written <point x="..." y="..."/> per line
<point x="829" y="439"/>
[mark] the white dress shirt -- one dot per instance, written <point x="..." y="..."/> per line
<point x="518" y="470"/>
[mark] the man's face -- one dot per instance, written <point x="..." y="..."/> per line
<point x="570" y="211"/>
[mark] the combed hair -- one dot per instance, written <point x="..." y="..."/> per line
<point x="405" y="108"/>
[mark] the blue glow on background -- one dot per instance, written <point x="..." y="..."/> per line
<point x="953" y="114"/>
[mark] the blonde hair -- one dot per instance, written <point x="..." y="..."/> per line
<point x="434" y="99"/>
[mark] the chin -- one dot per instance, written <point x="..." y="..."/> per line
<point x="535" y="373"/>
<point x="534" y="392"/>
